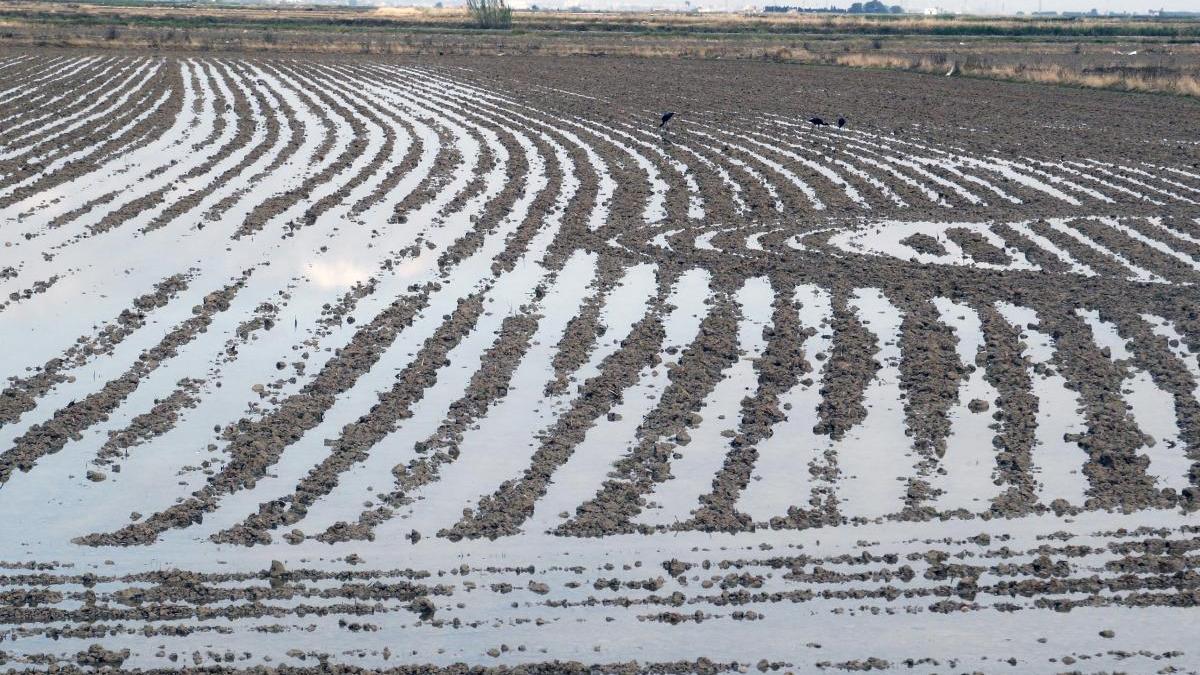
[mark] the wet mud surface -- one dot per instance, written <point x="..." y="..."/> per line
<point x="354" y="363"/>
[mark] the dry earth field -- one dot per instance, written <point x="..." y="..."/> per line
<point x="1143" y="54"/>
<point x="318" y="362"/>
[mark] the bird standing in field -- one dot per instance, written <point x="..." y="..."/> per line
<point x="841" y="122"/>
<point x="817" y="122"/>
<point x="664" y="129"/>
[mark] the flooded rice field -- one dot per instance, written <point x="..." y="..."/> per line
<point x="348" y="362"/>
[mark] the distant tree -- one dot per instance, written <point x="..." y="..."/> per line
<point x="871" y="7"/>
<point x="896" y="9"/>
<point x="491" y="13"/>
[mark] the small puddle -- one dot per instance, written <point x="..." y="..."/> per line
<point x="875" y="457"/>
<point x="969" y="464"/>
<point x="1058" y="463"/>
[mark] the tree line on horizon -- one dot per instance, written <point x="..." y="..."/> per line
<point x="870" y="7"/>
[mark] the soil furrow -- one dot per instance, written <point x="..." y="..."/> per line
<point x="68" y="422"/>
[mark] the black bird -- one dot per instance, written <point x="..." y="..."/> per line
<point x="841" y="122"/>
<point x="666" y="117"/>
<point x="818" y="122"/>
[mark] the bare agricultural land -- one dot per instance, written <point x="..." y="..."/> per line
<point x="337" y="362"/>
